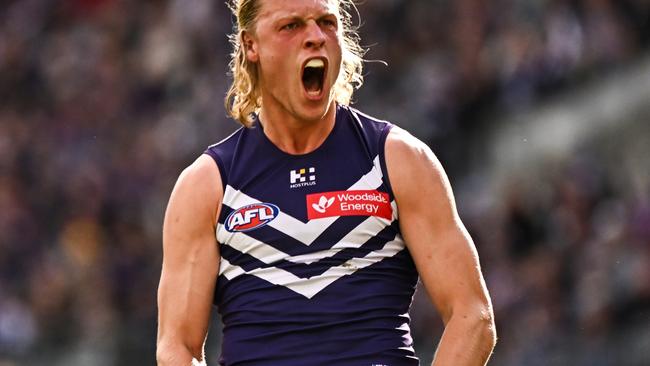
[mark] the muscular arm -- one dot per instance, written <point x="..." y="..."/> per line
<point x="443" y="251"/>
<point x="190" y="265"/>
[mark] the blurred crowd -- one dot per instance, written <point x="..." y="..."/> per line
<point x="103" y="102"/>
<point x="453" y="64"/>
<point x="566" y="250"/>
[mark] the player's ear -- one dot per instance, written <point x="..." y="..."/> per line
<point x="250" y="46"/>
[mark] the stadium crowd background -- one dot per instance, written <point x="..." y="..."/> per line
<point x="103" y="102"/>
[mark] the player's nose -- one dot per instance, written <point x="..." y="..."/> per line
<point x="315" y="37"/>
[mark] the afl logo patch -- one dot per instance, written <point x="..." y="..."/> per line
<point x="251" y="217"/>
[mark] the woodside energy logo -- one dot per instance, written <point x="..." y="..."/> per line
<point x="349" y="203"/>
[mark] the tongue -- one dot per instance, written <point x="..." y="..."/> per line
<point x="311" y="85"/>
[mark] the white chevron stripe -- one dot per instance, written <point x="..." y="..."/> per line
<point x="269" y="254"/>
<point x="246" y="244"/>
<point x="230" y="271"/>
<point x="303" y="232"/>
<point x="309" y="287"/>
<point x="407" y="334"/>
<point x="354" y="239"/>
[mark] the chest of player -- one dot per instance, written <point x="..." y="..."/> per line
<point x="279" y="207"/>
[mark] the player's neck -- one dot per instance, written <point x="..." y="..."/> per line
<point x="293" y="135"/>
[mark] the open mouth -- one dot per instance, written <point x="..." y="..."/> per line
<point x="313" y="76"/>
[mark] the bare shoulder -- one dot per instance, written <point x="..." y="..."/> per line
<point x="201" y="174"/>
<point x="198" y="189"/>
<point x="410" y="161"/>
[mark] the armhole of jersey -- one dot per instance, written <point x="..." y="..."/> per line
<point x="220" y="165"/>
<point x="382" y="157"/>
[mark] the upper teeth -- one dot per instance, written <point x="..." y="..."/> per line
<point x="315" y="63"/>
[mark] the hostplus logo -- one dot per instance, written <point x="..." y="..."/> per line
<point x="302" y="177"/>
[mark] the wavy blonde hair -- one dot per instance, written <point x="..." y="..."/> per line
<point x="243" y="99"/>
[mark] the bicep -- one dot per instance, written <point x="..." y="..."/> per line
<point x="190" y="255"/>
<point x="442" y="250"/>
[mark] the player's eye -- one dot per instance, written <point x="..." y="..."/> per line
<point x="290" y="26"/>
<point x="328" y="22"/>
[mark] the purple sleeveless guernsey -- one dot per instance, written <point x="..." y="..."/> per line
<point x="313" y="268"/>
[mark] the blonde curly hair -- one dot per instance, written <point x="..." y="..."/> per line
<point x="243" y="99"/>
